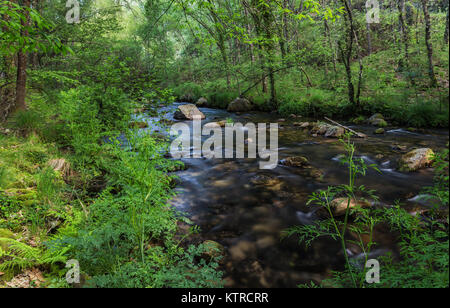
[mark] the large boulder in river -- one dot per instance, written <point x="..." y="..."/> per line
<point x="240" y="105"/>
<point x="416" y="159"/>
<point x="327" y="130"/>
<point x="377" y="120"/>
<point x="187" y="112"/>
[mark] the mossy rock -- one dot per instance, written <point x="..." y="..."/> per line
<point x="295" y="161"/>
<point x="416" y="159"/>
<point x="377" y="120"/>
<point x="213" y="249"/>
<point x="359" y="120"/>
<point x="379" y="131"/>
<point x="382" y="123"/>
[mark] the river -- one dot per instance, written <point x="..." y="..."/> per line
<point x="223" y="198"/>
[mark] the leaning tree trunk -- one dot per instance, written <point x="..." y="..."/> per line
<point x="22" y="62"/>
<point x="433" y="81"/>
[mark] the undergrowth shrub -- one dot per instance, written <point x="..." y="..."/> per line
<point x="128" y="237"/>
<point x="187" y="92"/>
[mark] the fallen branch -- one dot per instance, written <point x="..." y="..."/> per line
<point x="359" y="135"/>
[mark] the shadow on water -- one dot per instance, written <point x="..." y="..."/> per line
<point x="247" y="215"/>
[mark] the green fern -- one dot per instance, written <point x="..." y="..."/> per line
<point x="20" y="256"/>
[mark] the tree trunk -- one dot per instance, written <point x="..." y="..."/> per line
<point x="446" y="26"/>
<point x="369" y="39"/>
<point x="7" y="93"/>
<point x="22" y="61"/>
<point x="433" y="81"/>
<point x="404" y="27"/>
<point x="346" y="53"/>
<point x="269" y="48"/>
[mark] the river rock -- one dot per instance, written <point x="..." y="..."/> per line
<point x="335" y="132"/>
<point x="379" y="131"/>
<point x="265" y="180"/>
<point x="295" y="161"/>
<point x="302" y="164"/>
<point x="240" y="105"/>
<point x="339" y="206"/>
<point x="377" y="120"/>
<point x="416" y="159"/>
<point x="305" y="124"/>
<point x="215" y="124"/>
<point x="187" y="112"/>
<point x="202" y="102"/>
<point x="399" y="148"/>
<point x="327" y="130"/>
<point x="213" y="249"/>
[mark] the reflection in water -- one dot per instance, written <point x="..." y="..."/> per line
<point x="247" y="209"/>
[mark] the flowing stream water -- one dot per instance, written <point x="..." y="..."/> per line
<point x="248" y="218"/>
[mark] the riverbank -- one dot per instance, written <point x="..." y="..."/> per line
<point x="103" y="206"/>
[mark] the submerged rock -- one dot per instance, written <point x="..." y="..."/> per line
<point x="295" y="161"/>
<point x="416" y="159"/>
<point x="187" y="112"/>
<point x="399" y="148"/>
<point x="303" y="165"/>
<point x="265" y="180"/>
<point x="240" y="105"/>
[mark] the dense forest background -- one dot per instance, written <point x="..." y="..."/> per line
<point x="306" y="57"/>
<point x="69" y="82"/>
